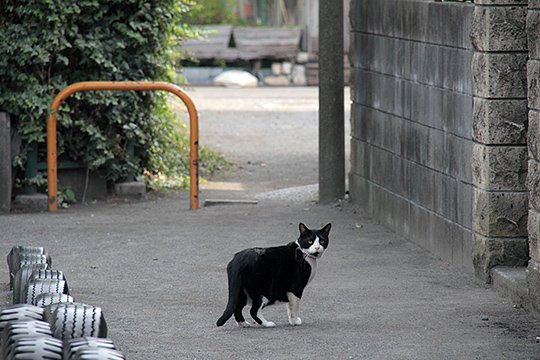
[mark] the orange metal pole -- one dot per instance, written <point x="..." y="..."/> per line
<point x="126" y="86"/>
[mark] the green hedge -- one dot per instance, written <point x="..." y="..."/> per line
<point x="48" y="44"/>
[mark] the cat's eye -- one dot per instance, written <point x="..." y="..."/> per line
<point x="310" y="242"/>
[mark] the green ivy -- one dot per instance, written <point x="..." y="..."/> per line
<point x="47" y="44"/>
<point x="66" y="196"/>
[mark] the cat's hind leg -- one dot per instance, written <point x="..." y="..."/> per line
<point x="238" y="316"/>
<point x="256" y="307"/>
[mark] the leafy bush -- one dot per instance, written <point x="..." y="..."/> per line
<point x="46" y="45"/>
<point x="166" y="164"/>
<point x="66" y="196"/>
<point x="213" y="12"/>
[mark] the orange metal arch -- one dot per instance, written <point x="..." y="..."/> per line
<point x="122" y="85"/>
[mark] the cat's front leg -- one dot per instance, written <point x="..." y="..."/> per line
<point x="292" y="309"/>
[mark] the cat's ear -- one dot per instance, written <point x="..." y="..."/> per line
<point x="303" y="228"/>
<point x="326" y="229"/>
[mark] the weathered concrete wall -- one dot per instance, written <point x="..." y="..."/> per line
<point x="499" y="159"/>
<point x="412" y="128"/>
<point x="439" y="126"/>
<point x="533" y="76"/>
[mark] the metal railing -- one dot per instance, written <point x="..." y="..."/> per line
<point x="52" y="179"/>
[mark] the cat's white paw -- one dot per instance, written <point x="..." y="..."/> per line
<point x="295" y="321"/>
<point x="269" y="324"/>
<point x="243" y="324"/>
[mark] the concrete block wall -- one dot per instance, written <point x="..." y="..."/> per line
<point x="533" y="79"/>
<point x="411" y="120"/>
<point x="499" y="156"/>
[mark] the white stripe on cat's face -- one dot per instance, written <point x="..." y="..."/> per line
<point x="315" y="249"/>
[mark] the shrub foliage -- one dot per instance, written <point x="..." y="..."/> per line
<point x="46" y="45"/>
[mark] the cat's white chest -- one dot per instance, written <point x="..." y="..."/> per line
<point x="313" y="263"/>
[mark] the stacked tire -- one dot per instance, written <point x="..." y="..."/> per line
<point x="44" y="321"/>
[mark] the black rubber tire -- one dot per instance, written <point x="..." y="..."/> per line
<point x="19" y="312"/>
<point x="26" y="260"/>
<point x="36" y="348"/>
<point x="71" y="346"/>
<point x="32" y="259"/>
<point x="24" y="274"/>
<point x="16" y="251"/>
<point x="48" y="274"/>
<point x="23" y="329"/>
<point x="44" y="286"/>
<point x="47" y="299"/>
<point x="49" y="310"/>
<point x="90" y="353"/>
<point x="69" y="321"/>
<point x="22" y="255"/>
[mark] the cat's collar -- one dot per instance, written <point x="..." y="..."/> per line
<point x="300" y="254"/>
<point x="310" y="256"/>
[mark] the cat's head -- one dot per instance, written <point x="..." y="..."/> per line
<point x="313" y="242"/>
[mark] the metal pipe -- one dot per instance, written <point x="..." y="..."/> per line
<point x="123" y="86"/>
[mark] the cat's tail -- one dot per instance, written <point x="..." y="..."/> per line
<point x="235" y="291"/>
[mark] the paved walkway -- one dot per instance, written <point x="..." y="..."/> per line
<point x="158" y="271"/>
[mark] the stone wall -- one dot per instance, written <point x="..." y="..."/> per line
<point x="533" y="76"/>
<point x="411" y="121"/>
<point x="446" y="97"/>
<point x="499" y="159"/>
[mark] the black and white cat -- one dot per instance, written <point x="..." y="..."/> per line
<point x="263" y="276"/>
